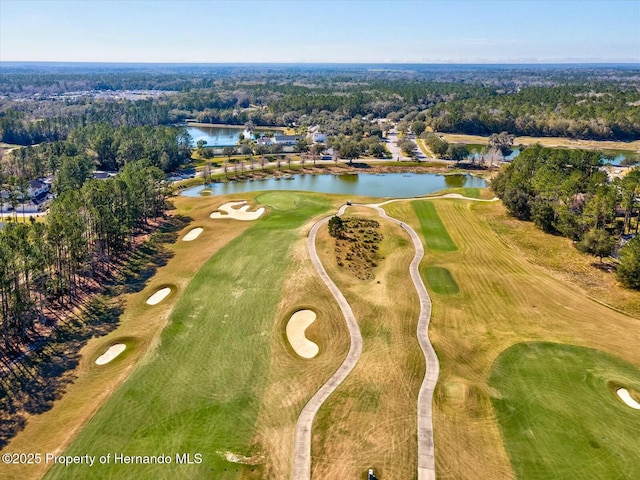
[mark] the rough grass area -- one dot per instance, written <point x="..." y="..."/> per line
<point x="504" y="299"/>
<point x="558" y="255"/>
<point x="202" y="391"/>
<point x="558" y="416"/>
<point x="549" y="142"/>
<point x="434" y="232"/>
<point x="356" y="246"/>
<point x="370" y="420"/>
<point x="440" y="281"/>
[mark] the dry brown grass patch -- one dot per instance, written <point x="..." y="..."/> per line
<point x="370" y="421"/>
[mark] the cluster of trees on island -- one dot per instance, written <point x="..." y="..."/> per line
<point x="567" y="192"/>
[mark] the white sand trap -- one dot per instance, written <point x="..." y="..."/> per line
<point x="236" y="458"/>
<point x="296" y="327"/>
<point x="239" y="213"/>
<point x="625" y="396"/>
<point x="192" y="235"/>
<point x="157" y="297"/>
<point x="112" y="352"/>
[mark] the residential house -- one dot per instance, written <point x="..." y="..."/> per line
<point x="319" y="137"/>
<point x="286" y="139"/>
<point x="38" y="189"/>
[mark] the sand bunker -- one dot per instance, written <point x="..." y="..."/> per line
<point x="237" y="214"/>
<point x="112" y="352"/>
<point x="625" y="396"/>
<point x="236" y="458"/>
<point x="296" y="327"/>
<point x="192" y="235"/>
<point x="157" y="297"/>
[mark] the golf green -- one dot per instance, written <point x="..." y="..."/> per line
<point x="559" y="413"/>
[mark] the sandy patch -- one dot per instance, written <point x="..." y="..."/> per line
<point x="235" y="458"/>
<point x="112" y="352"/>
<point x="192" y="235"/>
<point x="157" y="297"/>
<point x="296" y="327"/>
<point x="625" y="396"/>
<point x="241" y="213"/>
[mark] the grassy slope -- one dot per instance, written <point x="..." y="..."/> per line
<point x="202" y="391"/>
<point x="557" y="255"/>
<point x="370" y="421"/>
<point x="504" y="299"/>
<point x="559" y="416"/>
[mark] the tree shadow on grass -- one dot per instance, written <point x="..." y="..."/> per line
<point x="31" y="382"/>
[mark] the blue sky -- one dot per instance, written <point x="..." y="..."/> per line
<point x="452" y="31"/>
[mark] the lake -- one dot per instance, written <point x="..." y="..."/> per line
<point x="392" y="185"/>
<point x="216" y="136"/>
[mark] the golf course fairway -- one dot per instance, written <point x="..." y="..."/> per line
<point x="203" y="390"/>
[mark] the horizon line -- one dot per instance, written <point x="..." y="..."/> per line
<point x="566" y="62"/>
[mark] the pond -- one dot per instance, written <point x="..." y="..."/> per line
<point x="615" y="157"/>
<point x="392" y="185"/>
<point x="216" y="136"/>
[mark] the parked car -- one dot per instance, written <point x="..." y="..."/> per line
<point x="371" y="475"/>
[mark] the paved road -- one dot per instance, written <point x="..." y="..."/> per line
<point x="426" y="453"/>
<point x="396" y="153"/>
<point x="302" y="443"/>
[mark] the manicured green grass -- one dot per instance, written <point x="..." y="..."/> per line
<point x="559" y="414"/>
<point x="282" y="200"/>
<point x="472" y="192"/>
<point x="440" y="281"/>
<point x="202" y="390"/>
<point x="433" y="230"/>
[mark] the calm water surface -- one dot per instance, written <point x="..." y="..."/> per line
<point x="215" y="136"/>
<point x="393" y="185"/>
<point x="615" y="157"/>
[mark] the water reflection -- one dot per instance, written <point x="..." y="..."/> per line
<point x="393" y="185"/>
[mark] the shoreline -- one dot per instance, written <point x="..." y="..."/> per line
<point x="236" y="127"/>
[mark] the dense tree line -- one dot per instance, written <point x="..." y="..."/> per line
<point x="44" y="264"/>
<point x="99" y="145"/>
<point x="577" y="103"/>
<point x="30" y="123"/>
<point x="567" y="192"/>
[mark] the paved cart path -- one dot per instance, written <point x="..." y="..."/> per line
<point x="302" y="443"/>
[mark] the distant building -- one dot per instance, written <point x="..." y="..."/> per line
<point x="100" y="175"/>
<point x="285" y="139"/>
<point x="319" y="137"/>
<point x="266" y="141"/>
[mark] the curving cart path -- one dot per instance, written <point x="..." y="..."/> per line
<point x="426" y="454"/>
<point x="302" y="443"/>
<point x="426" y="457"/>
